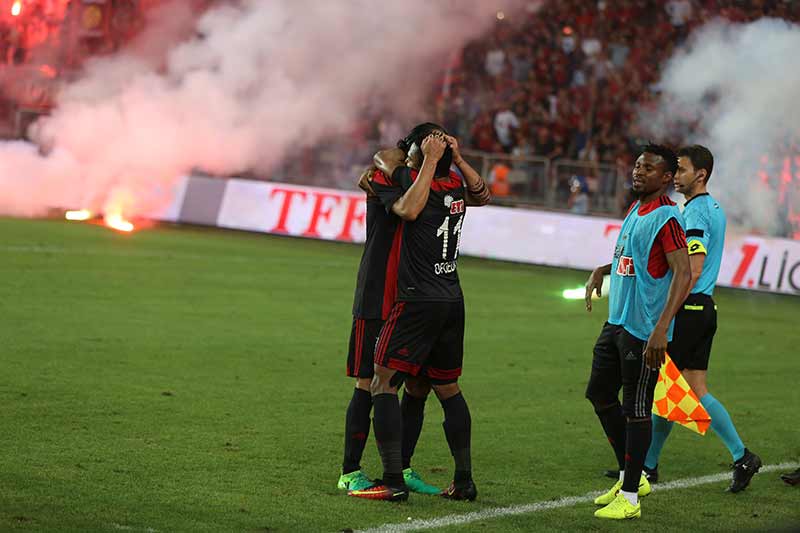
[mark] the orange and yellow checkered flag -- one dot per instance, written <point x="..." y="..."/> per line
<point x="676" y="401"/>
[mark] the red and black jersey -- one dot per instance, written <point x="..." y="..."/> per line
<point x="376" y="287"/>
<point x="429" y="248"/>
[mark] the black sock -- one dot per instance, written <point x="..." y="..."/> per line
<point x="413" y="410"/>
<point x="613" y="422"/>
<point x="638" y="442"/>
<point x="457" y="428"/>
<point x="388" y="424"/>
<point x="356" y="430"/>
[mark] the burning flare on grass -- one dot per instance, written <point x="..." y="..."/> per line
<point x="115" y="221"/>
<point x="112" y="219"/>
<point x="78" y="216"/>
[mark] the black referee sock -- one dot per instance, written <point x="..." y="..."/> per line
<point x="639" y="434"/>
<point x="356" y="430"/>
<point x="613" y="422"/>
<point x="413" y="412"/>
<point x="388" y="424"/>
<point x="458" y="428"/>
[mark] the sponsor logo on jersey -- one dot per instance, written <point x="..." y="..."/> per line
<point x="625" y="266"/>
<point x="456" y="207"/>
<point x="446" y="267"/>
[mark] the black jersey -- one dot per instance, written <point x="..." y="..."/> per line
<point x="429" y="248"/>
<point x="376" y="287"/>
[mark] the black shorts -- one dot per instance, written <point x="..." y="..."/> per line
<point x="424" y="338"/>
<point x="619" y="362"/>
<point x="363" y="337"/>
<point x="695" y="326"/>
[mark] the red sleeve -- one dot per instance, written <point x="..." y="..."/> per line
<point x="381" y="179"/>
<point x="672" y="237"/>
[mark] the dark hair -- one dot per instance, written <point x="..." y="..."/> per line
<point x="666" y="153"/>
<point x="700" y="156"/>
<point x="417" y="135"/>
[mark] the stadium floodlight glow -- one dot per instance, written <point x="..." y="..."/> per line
<point x="574" y="294"/>
<point x="115" y="221"/>
<point x="16" y="8"/>
<point x="79" y="215"/>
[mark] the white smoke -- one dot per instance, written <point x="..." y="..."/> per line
<point x="254" y="81"/>
<point x="741" y="81"/>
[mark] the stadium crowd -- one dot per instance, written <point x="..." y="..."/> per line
<point x="566" y="83"/>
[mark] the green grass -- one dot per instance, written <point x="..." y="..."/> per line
<point x="184" y="379"/>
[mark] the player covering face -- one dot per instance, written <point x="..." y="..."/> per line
<point x="376" y="290"/>
<point x="424" y="333"/>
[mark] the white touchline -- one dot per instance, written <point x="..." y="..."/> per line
<point x="498" y="512"/>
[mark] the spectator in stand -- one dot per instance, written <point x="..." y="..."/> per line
<point x="522" y="148"/>
<point x="498" y="180"/>
<point x="506" y="124"/>
<point x="483" y="135"/>
<point x="544" y="144"/>
<point x="578" y="201"/>
<point x="680" y="12"/>
<point x="495" y="60"/>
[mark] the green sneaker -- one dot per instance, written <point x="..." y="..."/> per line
<point x="355" y="481"/>
<point x="415" y="483"/>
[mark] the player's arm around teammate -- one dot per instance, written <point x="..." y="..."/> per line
<point x="412" y="202"/>
<point x="364" y="181"/>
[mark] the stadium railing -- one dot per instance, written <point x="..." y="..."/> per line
<point x="538" y="181"/>
<point x="604" y="183"/>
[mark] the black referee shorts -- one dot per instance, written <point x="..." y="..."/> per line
<point x="619" y="362"/>
<point x="363" y="337"/>
<point x="424" y="338"/>
<point x="695" y="326"/>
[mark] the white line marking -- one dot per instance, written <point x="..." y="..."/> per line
<point x="498" y="512"/>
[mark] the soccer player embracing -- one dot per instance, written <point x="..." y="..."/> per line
<point x="424" y="333"/>
<point x="696" y="321"/>
<point x="376" y="290"/>
<point x="649" y="279"/>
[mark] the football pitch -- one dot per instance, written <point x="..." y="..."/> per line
<point x="187" y="379"/>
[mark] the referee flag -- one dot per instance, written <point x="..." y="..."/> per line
<point x="676" y="401"/>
